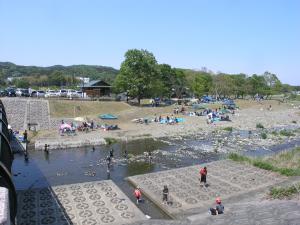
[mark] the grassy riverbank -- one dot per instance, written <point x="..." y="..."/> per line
<point x="286" y="163"/>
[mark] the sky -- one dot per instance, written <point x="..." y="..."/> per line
<point x="230" y="36"/>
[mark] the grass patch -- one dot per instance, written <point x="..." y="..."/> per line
<point x="286" y="163"/>
<point x="284" y="192"/>
<point x="286" y="133"/>
<point x="275" y="133"/>
<point x="110" y="141"/>
<point x="260" y="126"/>
<point x="263" y="135"/>
<point x="228" y="129"/>
<point x="74" y="108"/>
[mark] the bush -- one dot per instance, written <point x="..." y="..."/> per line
<point x="284" y="192"/>
<point x="110" y="141"/>
<point x="228" y="129"/>
<point x="294" y="121"/>
<point x="263" y="165"/>
<point x="263" y="135"/>
<point x="286" y="133"/>
<point x="238" y="158"/>
<point x="259" y="125"/>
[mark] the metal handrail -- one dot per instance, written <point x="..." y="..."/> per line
<point x="6" y="181"/>
<point x="6" y="159"/>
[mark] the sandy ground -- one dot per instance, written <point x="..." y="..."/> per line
<point x="246" y="118"/>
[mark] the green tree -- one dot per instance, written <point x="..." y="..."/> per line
<point x="138" y="74"/>
<point x="202" y="84"/>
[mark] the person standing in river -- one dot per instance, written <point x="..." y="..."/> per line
<point x="203" y="174"/>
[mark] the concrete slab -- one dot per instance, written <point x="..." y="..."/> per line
<point x="39" y="207"/>
<point x="99" y="202"/>
<point x="225" y="178"/>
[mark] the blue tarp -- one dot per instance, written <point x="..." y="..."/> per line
<point x="108" y="117"/>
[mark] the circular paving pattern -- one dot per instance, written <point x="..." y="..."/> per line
<point x="111" y="194"/>
<point x="127" y="215"/>
<point x="89" y="221"/>
<point x="95" y="197"/>
<point x="74" y="187"/>
<point x="77" y="193"/>
<point x="88" y="185"/>
<point x="28" y="214"/>
<point x="46" y="211"/>
<point x="85" y="213"/>
<point x="48" y="220"/>
<point x="107" y="219"/>
<point x="91" y="191"/>
<point x="102" y="210"/>
<point x="79" y="199"/>
<point x="99" y="203"/>
<point x="82" y="205"/>
<point x="106" y="188"/>
<point x="121" y="207"/>
<point x="116" y="200"/>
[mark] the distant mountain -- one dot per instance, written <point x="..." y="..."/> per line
<point x="8" y="69"/>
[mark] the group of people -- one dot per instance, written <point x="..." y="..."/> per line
<point x="218" y="209"/>
<point x="167" y="120"/>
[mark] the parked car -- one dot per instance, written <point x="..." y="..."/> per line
<point x="62" y="93"/>
<point x="38" y="94"/>
<point x="72" y="93"/>
<point x="79" y="94"/>
<point x="3" y="92"/>
<point x="22" y="92"/>
<point x="51" y="94"/>
<point x="11" y="92"/>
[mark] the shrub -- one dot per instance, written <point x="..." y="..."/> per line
<point x="259" y="125"/>
<point x="110" y="141"/>
<point x="263" y="165"/>
<point x="228" y="129"/>
<point x="263" y="135"/>
<point x="286" y="133"/>
<point x="294" y="121"/>
<point x="284" y="192"/>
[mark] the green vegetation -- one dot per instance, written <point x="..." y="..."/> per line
<point x="110" y="141"/>
<point x="228" y="129"/>
<point x="284" y="192"/>
<point x="286" y="133"/>
<point x="286" y="163"/>
<point x="263" y="135"/>
<point x="275" y="133"/>
<point x="260" y="126"/>
<point x="53" y="75"/>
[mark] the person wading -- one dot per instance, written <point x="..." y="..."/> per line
<point x="203" y="174"/>
<point x="137" y="194"/>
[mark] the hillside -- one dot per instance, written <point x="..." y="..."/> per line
<point x="8" y="69"/>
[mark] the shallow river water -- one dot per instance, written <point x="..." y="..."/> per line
<point x="78" y="165"/>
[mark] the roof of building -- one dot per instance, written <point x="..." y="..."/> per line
<point x="97" y="83"/>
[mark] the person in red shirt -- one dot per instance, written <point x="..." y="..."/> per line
<point x="203" y="173"/>
<point x="137" y="194"/>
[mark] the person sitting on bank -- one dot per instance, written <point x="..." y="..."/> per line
<point x="219" y="208"/>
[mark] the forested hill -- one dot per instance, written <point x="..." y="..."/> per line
<point x="8" y="69"/>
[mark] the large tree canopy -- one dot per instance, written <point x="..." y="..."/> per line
<point x="138" y="74"/>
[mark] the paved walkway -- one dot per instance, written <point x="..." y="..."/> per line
<point x="226" y="179"/>
<point x="90" y="203"/>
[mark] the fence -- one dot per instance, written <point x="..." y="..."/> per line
<point x="6" y="159"/>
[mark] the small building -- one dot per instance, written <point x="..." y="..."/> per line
<point x="96" y="89"/>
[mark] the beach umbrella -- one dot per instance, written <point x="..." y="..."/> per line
<point x="79" y="119"/>
<point x="65" y="126"/>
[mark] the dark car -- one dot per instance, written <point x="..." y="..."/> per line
<point x="11" y="92"/>
<point x="3" y="93"/>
